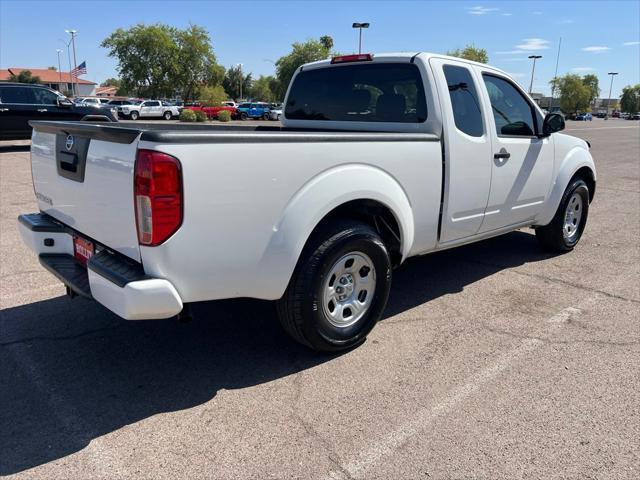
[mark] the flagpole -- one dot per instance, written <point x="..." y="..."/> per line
<point x="75" y="65"/>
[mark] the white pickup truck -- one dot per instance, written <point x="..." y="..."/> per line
<point x="149" y="109"/>
<point x="380" y="158"/>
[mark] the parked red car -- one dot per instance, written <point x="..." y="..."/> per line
<point x="212" y="112"/>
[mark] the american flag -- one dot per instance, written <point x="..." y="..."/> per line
<point x="80" y="70"/>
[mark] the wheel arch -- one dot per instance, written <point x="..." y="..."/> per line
<point x="578" y="163"/>
<point x="356" y="191"/>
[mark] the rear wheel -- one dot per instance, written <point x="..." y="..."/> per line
<point x="565" y="230"/>
<point x="339" y="289"/>
<point x="243" y="116"/>
<point x="167" y="115"/>
<point x="266" y="116"/>
<point x="134" y="115"/>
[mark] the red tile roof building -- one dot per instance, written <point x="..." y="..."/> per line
<point x="60" y="81"/>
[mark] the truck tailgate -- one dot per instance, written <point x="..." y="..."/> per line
<point x="84" y="179"/>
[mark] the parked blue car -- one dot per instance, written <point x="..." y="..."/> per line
<point x="254" y="110"/>
<point x="584" y="117"/>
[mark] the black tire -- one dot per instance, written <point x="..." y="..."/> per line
<point x="167" y="115"/>
<point x="552" y="236"/>
<point x="278" y="117"/>
<point x="266" y="116"/>
<point x="301" y="310"/>
<point x="243" y="116"/>
<point x="134" y="115"/>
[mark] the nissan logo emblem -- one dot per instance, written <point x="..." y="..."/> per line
<point x="69" y="142"/>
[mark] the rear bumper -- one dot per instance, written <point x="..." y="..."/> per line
<point x="111" y="279"/>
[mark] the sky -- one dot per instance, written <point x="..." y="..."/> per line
<point x="597" y="36"/>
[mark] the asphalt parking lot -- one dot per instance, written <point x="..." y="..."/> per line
<point x="495" y="360"/>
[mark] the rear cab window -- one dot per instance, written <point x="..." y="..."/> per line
<point x="373" y="92"/>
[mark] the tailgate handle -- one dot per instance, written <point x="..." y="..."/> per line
<point x="68" y="161"/>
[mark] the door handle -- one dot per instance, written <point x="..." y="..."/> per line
<point x="42" y="109"/>
<point x="504" y="155"/>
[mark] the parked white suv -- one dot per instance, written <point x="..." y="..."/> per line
<point x="380" y="158"/>
<point x="149" y="109"/>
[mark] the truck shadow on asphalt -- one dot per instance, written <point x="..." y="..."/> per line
<point x="70" y="371"/>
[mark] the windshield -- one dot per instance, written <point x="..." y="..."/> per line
<point x="382" y="92"/>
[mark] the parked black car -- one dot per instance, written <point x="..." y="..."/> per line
<point x="21" y="102"/>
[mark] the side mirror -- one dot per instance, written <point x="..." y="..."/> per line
<point x="553" y="122"/>
<point x="64" y="102"/>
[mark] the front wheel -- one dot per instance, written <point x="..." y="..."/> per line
<point x="243" y="116"/>
<point x="339" y="288"/>
<point x="266" y="116"/>
<point x="167" y="115"/>
<point x="565" y="230"/>
<point x="134" y="115"/>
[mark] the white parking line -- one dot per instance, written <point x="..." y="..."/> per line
<point x="600" y="128"/>
<point x="423" y="418"/>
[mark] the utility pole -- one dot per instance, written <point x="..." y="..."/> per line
<point x="59" y="71"/>
<point x="75" y="65"/>
<point x="241" y="79"/>
<point x="555" y="75"/>
<point x="533" y="69"/>
<point x="613" y="74"/>
<point x="360" y="26"/>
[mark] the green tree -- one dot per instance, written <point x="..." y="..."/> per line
<point x="213" y="96"/>
<point x="471" y="52"/>
<point x="111" y="82"/>
<point x="232" y="80"/>
<point x="160" y="60"/>
<point x="630" y="99"/>
<point x="261" y="89"/>
<point x="198" y="64"/>
<point x="591" y="82"/>
<point x="301" y="53"/>
<point x="574" y="94"/>
<point x="24" y="77"/>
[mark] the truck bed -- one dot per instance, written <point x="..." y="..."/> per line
<point x="127" y="132"/>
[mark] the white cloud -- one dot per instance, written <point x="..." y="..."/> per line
<point x="517" y="75"/>
<point x="510" y="52"/>
<point x="628" y="44"/>
<point x="480" y="10"/>
<point x="582" y="69"/>
<point x="533" y="44"/>
<point x="596" y="49"/>
<point x="506" y="14"/>
<point x="537" y="13"/>
<point x="515" y="59"/>
<point x="566" y="21"/>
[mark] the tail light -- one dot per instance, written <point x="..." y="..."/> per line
<point x="158" y="196"/>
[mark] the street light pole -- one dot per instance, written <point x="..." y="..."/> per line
<point x="533" y="69"/>
<point x="241" y="79"/>
<point x="59" y="71"/>
<point x="75" y="65"/>
<point x="360" y="26"/>
<point x="613" y="74"/>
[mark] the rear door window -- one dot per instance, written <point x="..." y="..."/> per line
<point x="464" y="100"/>
<point x="17" y="95"/>
<point x="374" y="92"/>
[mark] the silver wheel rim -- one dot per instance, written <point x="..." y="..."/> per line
<point x="347" y="293"/>
<point x="572" y="217"/>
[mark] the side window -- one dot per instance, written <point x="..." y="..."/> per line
<point x="16" y="95"/>
<point x="464" y="100"/>
<point x="44" y="97"/>
<point x="512" y="113"/>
